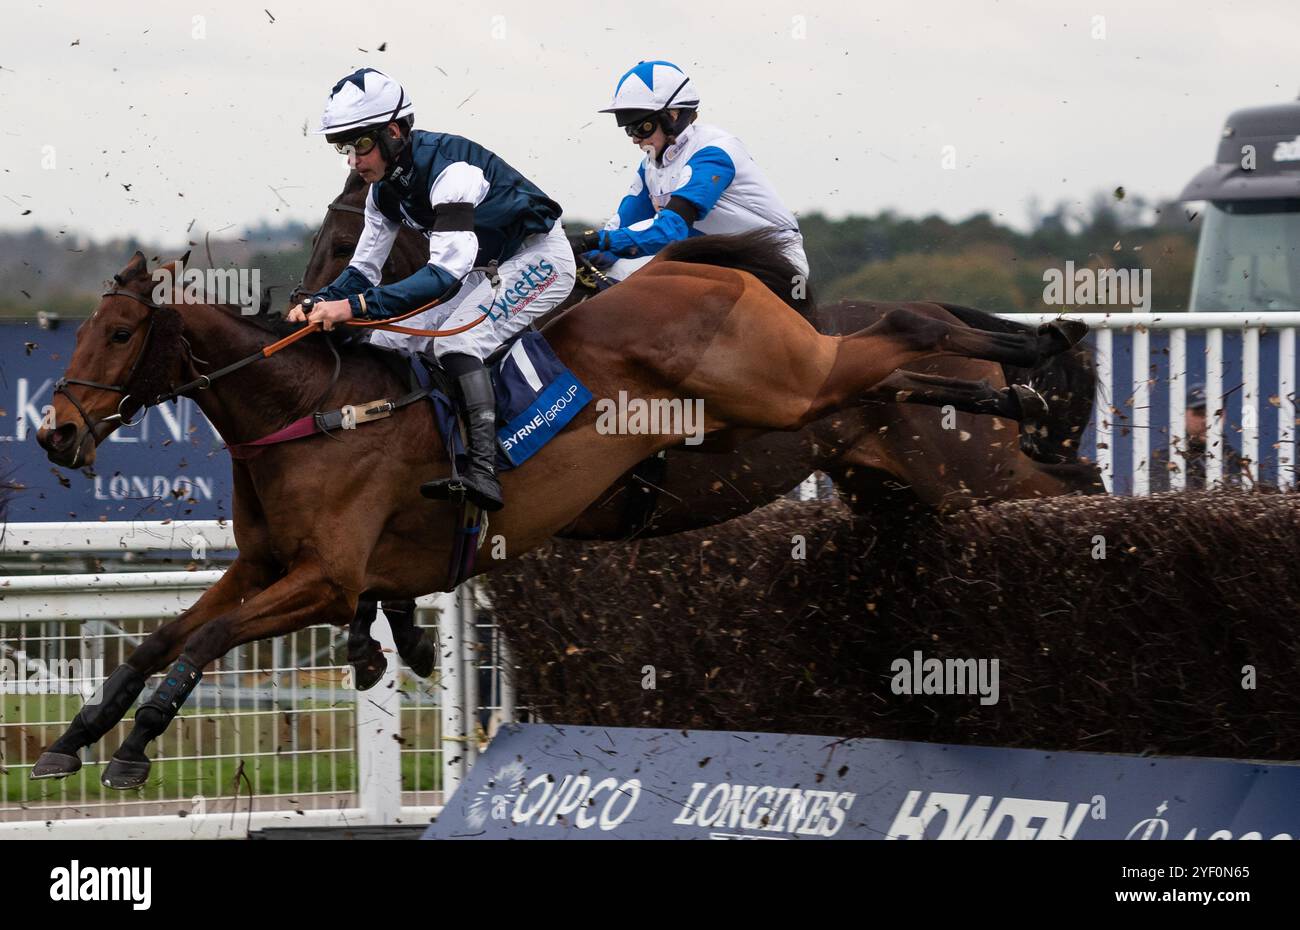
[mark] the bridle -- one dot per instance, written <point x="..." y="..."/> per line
<point x="300" y="291"/>
<point x="125" y="389"/>
<point x="128" y="389"/>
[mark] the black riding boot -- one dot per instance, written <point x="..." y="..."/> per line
<point x="481" y="420"/>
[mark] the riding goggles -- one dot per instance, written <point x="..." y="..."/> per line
<point x="643" y="129"/>
<point x="361" y="145"/>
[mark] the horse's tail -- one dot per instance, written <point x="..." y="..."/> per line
<point x="1067" y="381"/>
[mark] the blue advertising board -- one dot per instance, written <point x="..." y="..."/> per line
<point x="171" y="465"/>
<point x="557" y="782"/>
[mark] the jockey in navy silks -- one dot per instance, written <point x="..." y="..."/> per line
<point x="474" y="209"/>
<point x="695" y="179"/>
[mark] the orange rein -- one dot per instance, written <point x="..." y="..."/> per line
<point x="388" y="325"/>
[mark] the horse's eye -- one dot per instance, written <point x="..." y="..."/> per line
<point x="121" y="335"/>
<point x="344" y="250"/>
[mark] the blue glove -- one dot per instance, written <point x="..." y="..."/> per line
<point x="600" y="259"/>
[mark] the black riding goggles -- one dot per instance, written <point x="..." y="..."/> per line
<point x="642" y="129"/>
<point x="361" y="145"/>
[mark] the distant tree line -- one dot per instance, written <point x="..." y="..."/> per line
<point x="977" y="261"/>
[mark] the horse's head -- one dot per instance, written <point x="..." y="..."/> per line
<point x="337" y="238"/>
<point x="127" y="354"/>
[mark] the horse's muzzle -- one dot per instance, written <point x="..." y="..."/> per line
<point x="69" y="445"/>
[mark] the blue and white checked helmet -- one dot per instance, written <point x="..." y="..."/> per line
<point x="365" y="97"/>
<point x="650" y="87"/>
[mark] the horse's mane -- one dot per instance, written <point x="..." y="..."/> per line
<point x="761" y="252"/>
<point x="273" y="324"/>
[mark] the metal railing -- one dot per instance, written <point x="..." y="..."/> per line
<point x="274" y="734"/>
<point x="1145" y="364"/>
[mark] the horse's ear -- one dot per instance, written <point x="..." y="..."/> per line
<point x="136" y="267"/>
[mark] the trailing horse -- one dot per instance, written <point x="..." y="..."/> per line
<point x="319" y="523"/>
<point x="883" y="457"/>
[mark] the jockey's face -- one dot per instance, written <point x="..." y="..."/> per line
<point x="371" y="166"/>
<point x="656" y="142"/>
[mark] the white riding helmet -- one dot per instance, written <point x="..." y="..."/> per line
<point x="365" y="97"/>
<point x="650" y="87"/>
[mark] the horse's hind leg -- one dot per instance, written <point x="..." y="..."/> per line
<point x="119" y="691"/>
<point x="305" y="596"/>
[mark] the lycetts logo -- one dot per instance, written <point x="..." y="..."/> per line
<point x="535" y="279"/>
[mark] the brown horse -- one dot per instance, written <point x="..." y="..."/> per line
<point x="319" y="523"/>
<point x="881" y="455"/>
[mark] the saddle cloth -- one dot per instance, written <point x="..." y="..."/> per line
<point x="536" y="397"/>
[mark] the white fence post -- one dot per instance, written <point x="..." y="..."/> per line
<point x="379" y="750"/>
<point x="470" y="663"/>
<point x="452" y="692"/>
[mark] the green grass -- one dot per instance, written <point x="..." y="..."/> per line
<point x="264" y="740"/>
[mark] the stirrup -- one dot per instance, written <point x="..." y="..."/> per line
<point x="442" y="489"/>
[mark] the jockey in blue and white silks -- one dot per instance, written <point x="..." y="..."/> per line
<point x="695" y="179"/>
<point x="474" y="209"/>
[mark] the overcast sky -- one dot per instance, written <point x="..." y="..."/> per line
<point x="847" y="105"/>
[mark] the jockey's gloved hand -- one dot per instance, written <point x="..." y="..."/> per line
<point x="586" y="242"/>
<point x="600" y="259"/>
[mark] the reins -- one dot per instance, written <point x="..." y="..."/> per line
<point x="204" y="381"/>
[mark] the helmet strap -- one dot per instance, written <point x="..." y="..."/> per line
<point x="391" y="151"/>
<point x="672" y="127"/>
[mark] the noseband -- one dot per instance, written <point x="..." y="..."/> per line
<point x="125" y="389"/>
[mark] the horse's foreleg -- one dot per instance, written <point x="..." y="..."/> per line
<point x="903" y="337"/>
<point x="1016" y="402"/>
<point x="118" y="693"/>
<point x="364" y="654"/>
<point x="417" y="648"/>
<point x="774" y="371"/>
<point x="305" y="596"/>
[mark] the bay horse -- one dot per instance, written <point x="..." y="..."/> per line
<point x="884" y="458"/>
<point x="317" y="524"/>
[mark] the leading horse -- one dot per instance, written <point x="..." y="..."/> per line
<point x="317" y="524"/>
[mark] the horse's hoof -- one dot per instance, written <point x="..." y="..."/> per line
<point x="423" y="658"/>
<point x="1060" y="335"/>
<point x="1031" y="406"/>
<point x="55" y="765"/>
<point x="365" y="675"/>
<point x="124" y="774"/>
